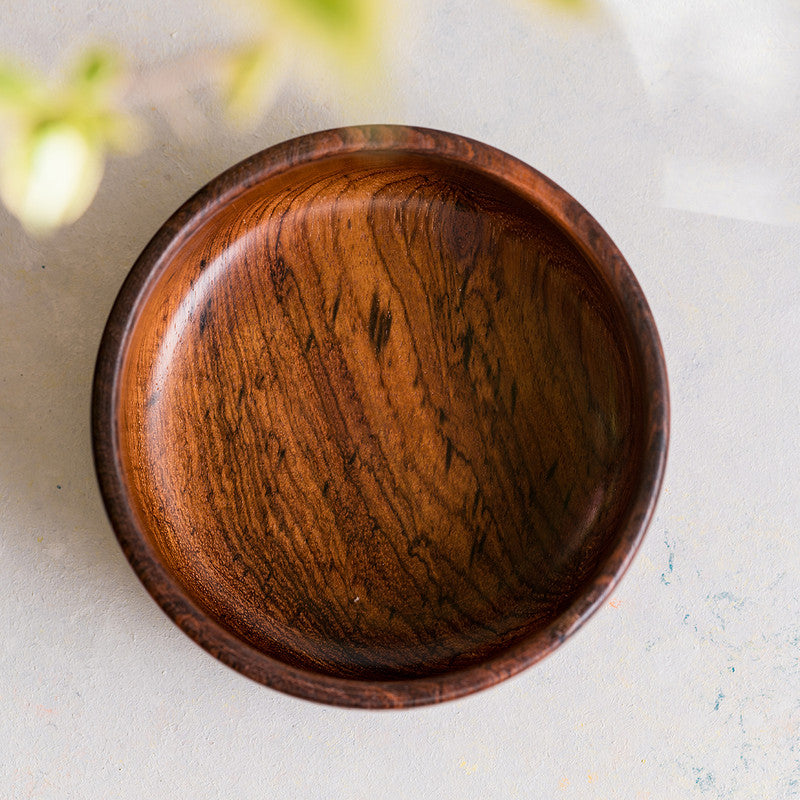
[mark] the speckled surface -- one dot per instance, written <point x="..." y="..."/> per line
<point x="677" y="128"/>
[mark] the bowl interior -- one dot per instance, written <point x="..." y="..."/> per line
<point x="379" y="417"/>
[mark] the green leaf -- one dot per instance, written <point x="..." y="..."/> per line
<point x="572" y="6"/>
<point x="252" y="80"/>
<point x="346" y="28"/>
<point x="96" y="69"/>
<point x="57" y="138"/>
<point x="18" y="91"/>
<point x="335" y="16"/>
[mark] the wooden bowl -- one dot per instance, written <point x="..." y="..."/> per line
<point x="380" y="416"/>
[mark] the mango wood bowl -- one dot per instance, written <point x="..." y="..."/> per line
<point x="380" y="416"/>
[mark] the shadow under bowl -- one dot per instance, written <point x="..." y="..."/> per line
<point x="380" y="416"/>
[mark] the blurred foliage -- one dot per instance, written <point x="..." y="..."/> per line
<point x="347" y="30"/>
<point x="55" y="139"/>
<point x="342" y="33"/>
<point x="252" y="76"/>
<point x="575" y="6"/>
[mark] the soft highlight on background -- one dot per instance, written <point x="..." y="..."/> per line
<point x="676" y="125"/>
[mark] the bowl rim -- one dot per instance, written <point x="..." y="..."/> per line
<point x="571" y="218"/>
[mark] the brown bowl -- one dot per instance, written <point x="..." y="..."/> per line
<point x="380" y="416"/>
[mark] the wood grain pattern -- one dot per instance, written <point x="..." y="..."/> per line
<point x="380" y="416"/>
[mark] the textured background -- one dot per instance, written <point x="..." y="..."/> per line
<point x="678" y="127"/>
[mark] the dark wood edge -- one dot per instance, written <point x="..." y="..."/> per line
<point x="585" y="232"/>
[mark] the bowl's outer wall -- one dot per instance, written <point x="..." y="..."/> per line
<point x="535" y="189"/>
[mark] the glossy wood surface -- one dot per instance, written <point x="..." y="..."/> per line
<point x="380" y="416"/>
